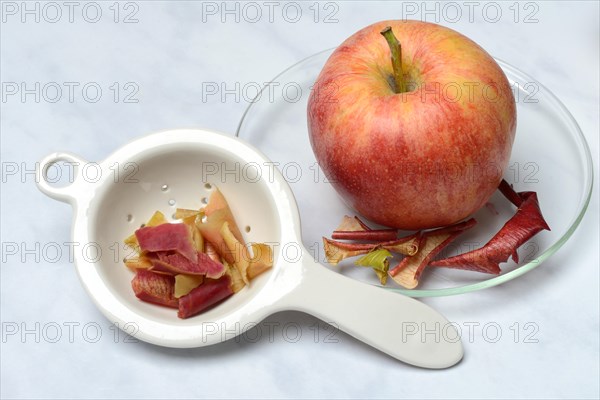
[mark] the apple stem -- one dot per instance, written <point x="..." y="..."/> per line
<point x="396" y="51"/>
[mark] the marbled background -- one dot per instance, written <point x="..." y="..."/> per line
<point x="168" y="52"/>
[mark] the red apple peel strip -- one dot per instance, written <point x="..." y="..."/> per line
<point x="409" y="270"/>
<point x="165" y="237"/>
<point x="374" y="235"/>
<point x="337" y="251"/>
<point x="360" y="222"/>
<point x="204" y="296"/>
<point x="352" y="228"/>
<point x="157" y="218"/>
<point x="155" y="288"/>
<point x="408" y="245"/>
<point x="527" y="222"/>
<point x="507" y="190"/>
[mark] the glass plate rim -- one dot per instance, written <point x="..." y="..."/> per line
<point x="523" y="269"/>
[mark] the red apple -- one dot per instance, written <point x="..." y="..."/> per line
<point x="415" y="134"/>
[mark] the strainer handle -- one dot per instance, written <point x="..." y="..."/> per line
<point x="400" y="326"/>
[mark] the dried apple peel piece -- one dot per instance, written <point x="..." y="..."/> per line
<point x="527" y="222"/>
<point x="408" y="245"/>
<point x="337" y="251"/>
<point x="511" y="195"/>
<point x="378" y="261"/>
<point x="373" y="235"/>
<point x="409" y="270"/>
<point x="352" y="228"/>
<point x="352" y="224"/>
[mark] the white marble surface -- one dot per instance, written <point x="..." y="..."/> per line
<point x="169" y="54"/>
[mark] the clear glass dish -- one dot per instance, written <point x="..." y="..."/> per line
<point x="550" y="156"/>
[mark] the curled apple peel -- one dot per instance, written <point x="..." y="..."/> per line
<point x="371" y="235"/>
<point x="422" y="247"/>
<point x="527" y="222"/>
<point x="409" y="270"/>
<point x="377" y="259"/>
<point x="353" y="228"/>
<point x="336" y="251"/>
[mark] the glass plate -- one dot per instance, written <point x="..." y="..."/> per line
<point x="550" y="156"/>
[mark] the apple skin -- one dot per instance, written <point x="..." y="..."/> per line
<point x="420" y="159"/>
